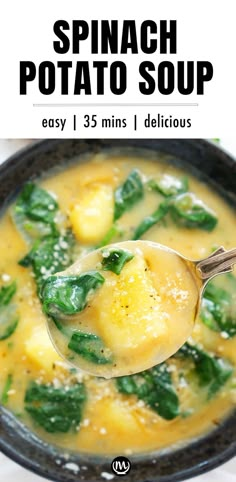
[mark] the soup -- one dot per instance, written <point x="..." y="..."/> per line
<point x="54" y="221"/>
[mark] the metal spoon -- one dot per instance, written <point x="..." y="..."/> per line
<point x="85" y="355"/>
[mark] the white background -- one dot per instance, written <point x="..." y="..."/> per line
<point x="11" y="472"/>
<point x="205" y="31"/>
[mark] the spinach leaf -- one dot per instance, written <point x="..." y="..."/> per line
<point x="8" y="316"/>
<point x="189" y="211"/>
<point x="55" y="409"/>
<point x="212" y="372"/>
<point x="7" y="293"/>
<point x="34" y="212"/>
<point x="6" y="388"/>
<point x="155" y="388"/>
<point x="218" y="310"/>
<point x="128" y="194"/>
<point x="90" y="347"/>
<point x="115" y="259"/>
<point x="49" y="255"/>
<point x="185" y="209"/>
<point x="151" y="220"/>
<point x="169" y="185"/>
<point x="67" y="295"/>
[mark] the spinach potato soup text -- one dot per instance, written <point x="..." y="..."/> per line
<point x="53" y="222"/>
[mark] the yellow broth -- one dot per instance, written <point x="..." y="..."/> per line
<point x="113" y="422"/>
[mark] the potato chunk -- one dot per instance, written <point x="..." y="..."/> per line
<point x="129" y="309"/>
<point x="40" y="349"/>
<point x="121" y="418"/>
<point x="92" y="216"/>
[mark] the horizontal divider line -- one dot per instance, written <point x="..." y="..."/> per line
<point x="119" y="105"/>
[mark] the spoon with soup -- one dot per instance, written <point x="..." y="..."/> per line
<point x="128" y="306"/>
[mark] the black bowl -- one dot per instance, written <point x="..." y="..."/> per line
<point x="177" y="464"/>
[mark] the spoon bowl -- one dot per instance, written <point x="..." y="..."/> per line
<point x="124" y="308"/>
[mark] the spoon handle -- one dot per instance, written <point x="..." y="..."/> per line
<point x="221" y="261"/>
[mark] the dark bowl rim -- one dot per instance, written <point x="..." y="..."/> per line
<point x="211" y="464"/>
<point x="38" y="143"/>
<point x="179" y="476"/>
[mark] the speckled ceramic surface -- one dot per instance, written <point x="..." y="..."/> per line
<point x="175" y="465"/>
